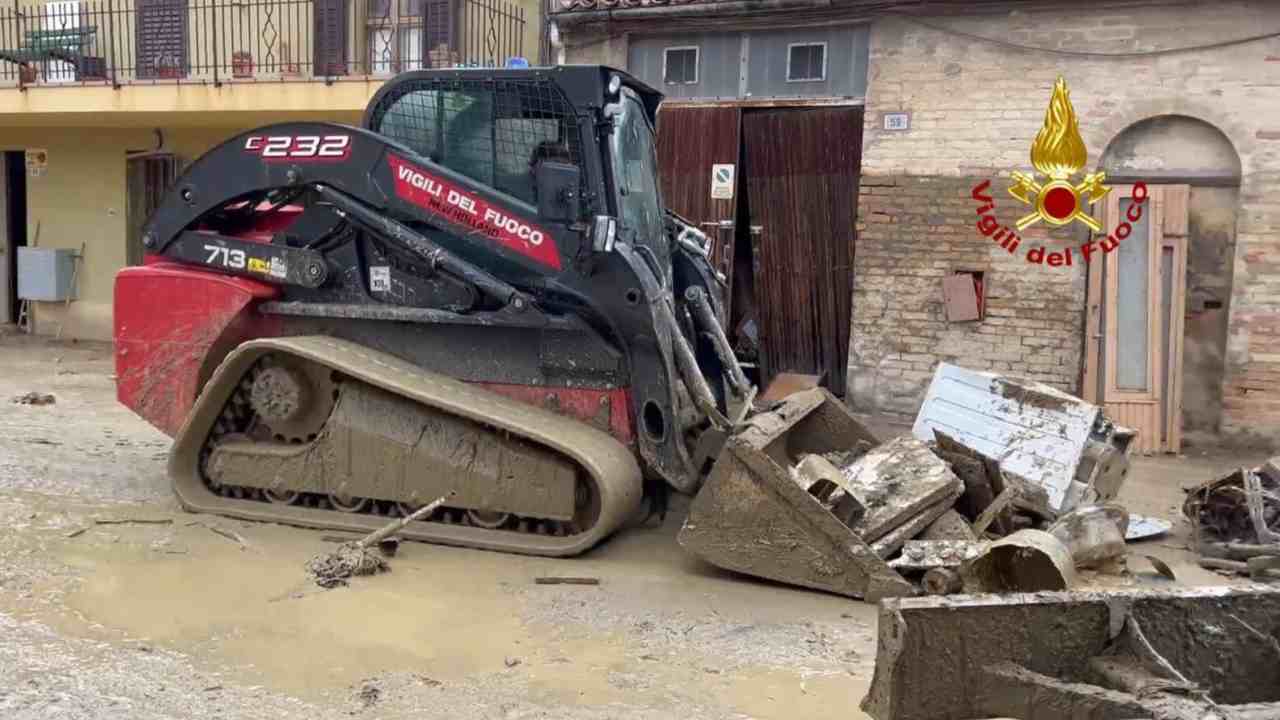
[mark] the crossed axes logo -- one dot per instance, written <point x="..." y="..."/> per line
<point x="1058" y="153"/>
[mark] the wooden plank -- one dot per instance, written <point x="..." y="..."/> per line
<point x="1177" y="217"/>
<point x="1093" y="329"/>
<point x="1112" y="286"/>
<point x="1155" y="341"/>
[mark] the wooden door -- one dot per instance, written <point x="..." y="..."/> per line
<point x="1136" y="309"/>
<point x="801" y="180"/>
<point x="161" y="31"/>
<point x="148" y="178"/>
<point x="693" y="144"/>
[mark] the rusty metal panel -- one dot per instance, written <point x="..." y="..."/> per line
<point x="801" y="181"/>
<point x="691" y="141"/>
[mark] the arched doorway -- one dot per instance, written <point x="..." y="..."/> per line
<point x="1158" y="298"/>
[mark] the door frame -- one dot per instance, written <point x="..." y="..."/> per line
<point x="13" y="229"/>
<point x="1160" y="406"/>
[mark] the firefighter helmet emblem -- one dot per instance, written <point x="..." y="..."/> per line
<point x="1059" y="153"/>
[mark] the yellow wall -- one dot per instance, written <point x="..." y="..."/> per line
<point x="243" y="104"/>
<point x="87" y="130"/>
<point x="81" y="198"/>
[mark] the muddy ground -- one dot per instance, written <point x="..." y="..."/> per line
<point x="170" y="619"/>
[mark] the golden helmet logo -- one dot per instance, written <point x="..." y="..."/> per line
<point x="1059" y="153"/>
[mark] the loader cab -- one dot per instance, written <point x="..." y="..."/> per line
<point x="632" y="152"/>
<point x="572" y="143"/>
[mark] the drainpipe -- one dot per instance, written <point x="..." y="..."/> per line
<point x="557" y="42"/>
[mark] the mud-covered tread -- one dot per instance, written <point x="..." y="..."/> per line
<point x="235" y="421"/>
<point x="607" y="469"/>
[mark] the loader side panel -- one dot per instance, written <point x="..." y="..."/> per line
<point x="172" y="324"/>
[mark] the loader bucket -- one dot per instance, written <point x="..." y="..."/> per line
<point x="752" y="517"/>
<point x="1195" y="653"/>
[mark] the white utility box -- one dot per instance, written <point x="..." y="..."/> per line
<point x="46" y="274"/>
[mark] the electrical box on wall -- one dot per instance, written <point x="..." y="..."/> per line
<point x="963" y="296"/>
<point x="46" y="274"/>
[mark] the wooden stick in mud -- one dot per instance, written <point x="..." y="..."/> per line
<point x="566" y="581"/>
<point x="393" y="527"/>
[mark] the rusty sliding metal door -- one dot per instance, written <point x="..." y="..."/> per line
<point x="801" y="179"/>
<point x="698" y="154"/>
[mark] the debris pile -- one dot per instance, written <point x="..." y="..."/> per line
<point x="34" y="398"/>
<point x="350" y="559"/>
<point x="1236" y="521"/>
<point x="333" y="569"/>
<point x="1003" y="486"/>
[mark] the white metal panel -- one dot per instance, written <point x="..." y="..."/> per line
<point x="1037" y="433"/>
<point x="46" y="274"/>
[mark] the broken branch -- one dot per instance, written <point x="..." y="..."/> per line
<point x="133" y="521"/>
<point x="379" y="535"/>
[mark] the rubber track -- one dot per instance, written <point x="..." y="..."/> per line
<point x="607" y="462"/>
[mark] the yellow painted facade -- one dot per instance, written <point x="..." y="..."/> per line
<point x="88" y="130"/>
<point x="81" y="198"/>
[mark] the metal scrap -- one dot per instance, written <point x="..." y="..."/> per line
<point x="820" y="478"/>
<point x="1026" y="561"/>
<point x="1094" y="534"/>
<point x="1039" y="434"/>
<point x="1241" y="507"/>
<point x="1161" y="567"/>
<point x="753" y="516"/>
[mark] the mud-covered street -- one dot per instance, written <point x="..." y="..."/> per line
<point x="114" y="603"/>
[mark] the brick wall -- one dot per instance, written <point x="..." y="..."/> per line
<point x="975" y="108"/>
<point x="913" y="230"/>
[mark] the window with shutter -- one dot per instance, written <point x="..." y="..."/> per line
<point x="331" y="37"/>
<point x="161" y="31"/>
<point x="438" y="33"/>
<point x="60" y="22"/>
<point x="397" y="34"/>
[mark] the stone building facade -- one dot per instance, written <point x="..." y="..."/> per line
<point x="1170" y="94"/>
<point x="1202" y="117"/>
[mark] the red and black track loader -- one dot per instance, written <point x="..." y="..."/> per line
<point x="477" y="291"/>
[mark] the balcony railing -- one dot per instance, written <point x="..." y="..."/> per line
<point x="118" y="42"/>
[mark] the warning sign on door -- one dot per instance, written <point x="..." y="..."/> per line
<point x="721" y="182"/>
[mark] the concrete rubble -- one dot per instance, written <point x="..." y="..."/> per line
<point x="1003" y="486"/>
<point x="1236" y="521"/>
